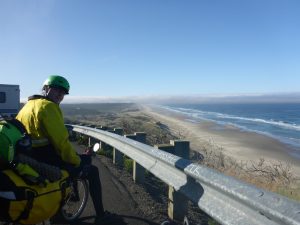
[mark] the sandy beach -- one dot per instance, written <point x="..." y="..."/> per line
<point x="237" y="144"/>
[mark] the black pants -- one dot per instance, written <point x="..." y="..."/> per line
<point x="48" y="155"/>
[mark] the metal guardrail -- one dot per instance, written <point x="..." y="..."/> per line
<point x="226" y="199"/>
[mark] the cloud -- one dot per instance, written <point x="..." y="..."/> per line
<point x="190" y="99"/>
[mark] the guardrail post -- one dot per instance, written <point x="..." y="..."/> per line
<point x="178" y="203"/>
<point x="138" y="170"/>
<point x="72" y="135"/>
<point x="181" y="148"/>
<point x="102" y="144"/>
<point x="89" y="142"/>
<point x="165" y="147"/>
<point x="117" y="155"/>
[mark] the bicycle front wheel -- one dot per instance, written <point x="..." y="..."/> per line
<point x="76" y="200"/>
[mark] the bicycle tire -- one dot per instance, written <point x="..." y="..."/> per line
<point x="71" y="209"/>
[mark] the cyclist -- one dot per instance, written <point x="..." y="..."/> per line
<point x="43" y="119"/>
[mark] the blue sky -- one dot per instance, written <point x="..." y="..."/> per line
<point x="118" y="48"/>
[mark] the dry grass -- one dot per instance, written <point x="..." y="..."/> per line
<point x="274" y="176"/>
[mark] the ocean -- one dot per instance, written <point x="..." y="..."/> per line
<point x="277" y="120"/>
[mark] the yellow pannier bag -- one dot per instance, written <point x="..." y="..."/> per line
<point x="30" y="204"/>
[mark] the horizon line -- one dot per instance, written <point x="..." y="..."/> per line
<point x="187" y="98"/>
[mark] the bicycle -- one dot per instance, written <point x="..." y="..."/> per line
<point x="76" y="200"/>
<point x="78" y="191"/>
<point x="72" y="206"/>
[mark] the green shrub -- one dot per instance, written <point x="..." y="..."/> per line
<point x="128" y="164"/>
<point x="212" y="222"/>
<point x="105" y="152"/>
<point x="83" y="140"/>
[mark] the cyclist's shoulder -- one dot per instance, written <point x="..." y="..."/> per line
<point x="40" y="99"/>
<point x="42" y="103"/>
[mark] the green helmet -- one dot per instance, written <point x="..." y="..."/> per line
<point x="58" y="82"/>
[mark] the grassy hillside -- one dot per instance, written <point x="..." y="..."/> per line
<point x="97" y="108"/>
<point x="118" y="115"/>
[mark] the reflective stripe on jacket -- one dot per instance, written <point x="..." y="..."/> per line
<point x="44" y="122"/>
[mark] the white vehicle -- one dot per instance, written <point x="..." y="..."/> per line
<point x="9" y="100"/>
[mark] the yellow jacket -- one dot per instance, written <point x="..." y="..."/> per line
<point x="44" y="122"/>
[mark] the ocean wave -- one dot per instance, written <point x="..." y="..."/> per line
<point x="213" y="115"/>
<point x="281" y="124"/>
<point x="236" y="121"/>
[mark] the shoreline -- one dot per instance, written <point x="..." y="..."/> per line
<point x="235" y="143"/>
